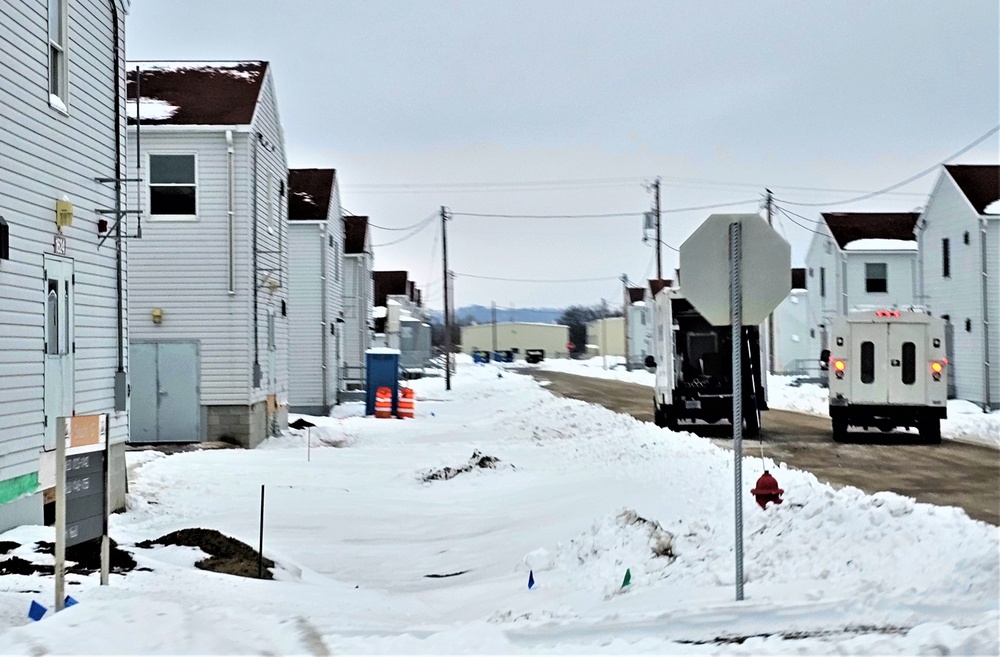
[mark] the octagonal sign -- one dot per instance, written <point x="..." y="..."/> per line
<point x="705" y="277"/>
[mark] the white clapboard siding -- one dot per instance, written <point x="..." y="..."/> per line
<point x="959" y="297"/>
<point x="307" y="243"/>
<point x="44" y="156"/>
<point x="272" y="245"/>
<point x="901" y="282"/>
<point x="182" y="267"/>
<point x="335" y="291"/>
<point x="358" y="298"/>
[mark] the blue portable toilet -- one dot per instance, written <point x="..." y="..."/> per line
<point x="382" y="370"/>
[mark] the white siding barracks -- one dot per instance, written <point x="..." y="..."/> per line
<point x="62" y="329"/>
<point x="960" y="246"/>
<point x="316" y="289"/>
<point x="359" y="296"/>
<point x="209" y="278"/>
<point x="859" y="260"/>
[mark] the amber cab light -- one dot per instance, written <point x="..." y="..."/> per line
<point x="937" y="367"/>
<point x="838" y="365"/>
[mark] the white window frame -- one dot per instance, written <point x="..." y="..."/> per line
<point x="58" y="101"/>
<point x="149" y="196"/>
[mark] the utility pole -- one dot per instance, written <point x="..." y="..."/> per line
<point x="446" y="280"/>
<point x="659" y="239"/>
<point x="494" y="327"/>
<point x="770" y="317"/>
<point x="626" y="310"/>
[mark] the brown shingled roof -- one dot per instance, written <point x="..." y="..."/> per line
<point x="798" y="278"/>
<point x="979" y="182"/>
<point x="355" y="232"/>
<point x="656" y="285"/>
<point x="636" y="294"/>
<point x="203" y="93"/>
<point x="309" y="193"/>
<point x="847" y="227"/>
<point x="389" y="282"/>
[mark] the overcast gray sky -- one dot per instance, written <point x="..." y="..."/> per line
<point x="413" y="101"/>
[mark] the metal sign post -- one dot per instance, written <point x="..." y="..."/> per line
<point x="60" y="549"/>
<point x="736" y="320"/>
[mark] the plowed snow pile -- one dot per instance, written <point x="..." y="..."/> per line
<point x="373" y="559"/>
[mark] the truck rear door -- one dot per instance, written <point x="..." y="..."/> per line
<point x="908" y="369"/>
<point x="869" y="361"/>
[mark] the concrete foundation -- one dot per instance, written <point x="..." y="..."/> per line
<point x="246" y="426"/>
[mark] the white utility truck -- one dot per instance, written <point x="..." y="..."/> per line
<point x="887" y="370"/>
<point x="694" y="367"/>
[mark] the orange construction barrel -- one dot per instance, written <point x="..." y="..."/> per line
<point x="383" y="402"/>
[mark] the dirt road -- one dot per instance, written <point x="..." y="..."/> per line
<point x="952" y="473"/>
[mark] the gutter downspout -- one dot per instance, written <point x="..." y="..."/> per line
<point x="257" y="375"/>
<point x="987" y="401"/>
<point x="324" y="230"/>
<point x="231" y="153"/>
<point x="120" y="376"/>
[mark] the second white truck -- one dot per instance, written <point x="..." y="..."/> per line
<point x="888" y="369"/>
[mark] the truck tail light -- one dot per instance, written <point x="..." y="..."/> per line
<point x="838" y="367"/>
<point x="936" y="369"/>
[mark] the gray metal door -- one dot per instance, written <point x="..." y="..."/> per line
<point x="179" y="410"/>
<point x="166" y="406"/>
<point x="142" y="376"/>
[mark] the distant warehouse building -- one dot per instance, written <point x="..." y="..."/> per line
<point x="606" y="337"/>
<point x="517" y="336"/>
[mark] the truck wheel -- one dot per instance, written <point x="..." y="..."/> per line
<point x="839" y="428"/>
<point x="930" y="429"/>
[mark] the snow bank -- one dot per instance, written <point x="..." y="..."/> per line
<point x="376" y="560"/>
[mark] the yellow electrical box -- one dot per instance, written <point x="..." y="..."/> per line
<point x="64" y="213"/>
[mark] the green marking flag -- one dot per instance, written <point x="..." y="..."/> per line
<point x="628" y="577"/>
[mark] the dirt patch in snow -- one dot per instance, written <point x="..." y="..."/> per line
<point x="478" y="461"/>
<point x="661" y="542"/>
<point x="86" y="557"/>
<point x="228" y="555"/>
<point x="82" y="559"/>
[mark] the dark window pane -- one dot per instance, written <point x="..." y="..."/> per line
<point x="822" y="281"/>
<point x="946" y="258"/>
<point x="171" y="169"/>
<point x="909" y="363"/>
<point x="52" y="326"/>
<point x="171" y="200"/>
<point x="867" y="362"/>
<point x="875" y="277"/>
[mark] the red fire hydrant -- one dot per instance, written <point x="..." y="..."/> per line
<point x="767" y="490"/>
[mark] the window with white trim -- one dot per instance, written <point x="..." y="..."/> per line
<point x="173" y="186"/>
<point x="58" y="80"/>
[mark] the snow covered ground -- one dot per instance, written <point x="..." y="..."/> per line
<point x="966" y="422"/>
<point x="579" y="496"/>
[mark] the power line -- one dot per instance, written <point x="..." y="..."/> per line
<point x="609" y="215"/>
<point x="419" y="223"/>
<point x="802" y="226"/>
<point x="548" y="216"/>
<point x="908" y="180"/>
<point x="708" y="207"/>
<point x="523" y="183"/>
<point x="420" y="227"/>
<point x="536" y="280"/>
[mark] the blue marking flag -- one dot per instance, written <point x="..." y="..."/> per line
<point x="36" y="611"/>
<point x="531" y="579"/>
<point x="69" y="602"/>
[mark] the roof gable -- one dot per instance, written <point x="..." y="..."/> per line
<point x="979" y="182"/>
<point x="636" y="294"/>
<point x="355" y="234"/>
<point x="389" y="283"/>
<point x="309" y="193"/>
<point x="847" y="227"/>
<point x="195" y="93"/>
